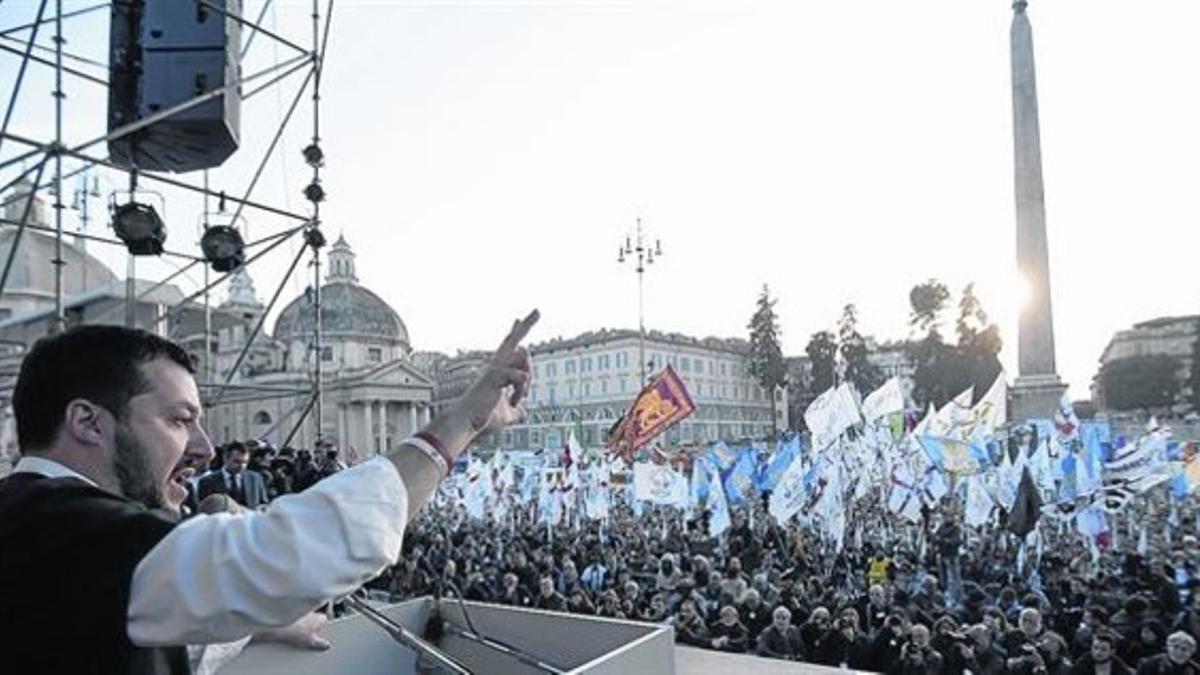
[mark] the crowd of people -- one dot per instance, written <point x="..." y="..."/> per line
<point x="930" y="598"/>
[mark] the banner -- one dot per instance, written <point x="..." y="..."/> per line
<point x="955" y="456"/>
<point x="659" y="484"/>
<point x="831" y="414"/>
<point x="663" y="402"/>
<point x="884" y="401"/>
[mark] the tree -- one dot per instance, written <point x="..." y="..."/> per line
<point x="978" y="350"/>
<point x="859" y="369"/>
<point x="822" y="354"/>
<point x="1141" y="382"/>
<point x="930" y="353"/>
<point x="927" y="302"/>
<point x="766" y="356"/>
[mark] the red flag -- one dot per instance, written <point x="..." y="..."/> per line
<point x="663" y="402"/>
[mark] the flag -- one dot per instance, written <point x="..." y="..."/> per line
<point x="1066" y="424"/>
<point x="700" y="481"/>
<point x="740" y="483"/>
<point x="1094" y="437"/>
<point x="788" y="452"/>
<point x="954" y="419"/>
<point x="718" y="510"/>
<point x="479" y="488"/>
<point x="884" y="401"/>
<point x="1028" y="507"/>
<point x="830" y="414"/>
<point x="659" y="484"/>
<point x="663" y="402"/>
<point x="572" y="455"/>
<point x="979" y="503"/>
<point x="955" y="456"/>
<point x="990" y="412"/>
<point x="790" y="491"/>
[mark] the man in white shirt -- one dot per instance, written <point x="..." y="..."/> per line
<point x="95" y="576"/>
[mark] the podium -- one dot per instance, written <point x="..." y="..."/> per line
<point x="572" y="643"/>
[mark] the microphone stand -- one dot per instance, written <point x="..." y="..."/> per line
<point x="407" y="638"/>
<point x="474" y="635"/>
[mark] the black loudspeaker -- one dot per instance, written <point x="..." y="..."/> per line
<point x="163" y="53"/>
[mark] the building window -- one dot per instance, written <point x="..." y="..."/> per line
<point x="551" y="370"/>
<point x="586" y="365"/>
<point x="603" y="386"/>
<point x="570" y="391"/>
<point x="685" y="364"/>
<point x="568" y="367"/>
<point x="587" y="389"/>
<point x="622" y="385"/>
<point x="262" y="417"/>
<point x="551" y="395"/>
<point x="722" y="369"/>
<point x="711" y="368"/>
<point x="326" y="353"/>
<point x="374" y="354"/>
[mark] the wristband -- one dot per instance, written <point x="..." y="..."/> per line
<point x="430" y="453"/>
<point x="437" y="445"/>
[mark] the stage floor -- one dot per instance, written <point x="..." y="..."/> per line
<point x="693" y="661"/>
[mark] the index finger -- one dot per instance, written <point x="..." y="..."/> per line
<point x="519" y="330"/>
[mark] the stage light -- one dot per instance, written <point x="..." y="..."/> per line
<point x="223" y="248"/>
<point x="314" y="192"/>
<point x="314" y="156"/>
<point x="139" y="227"/>
<point x="314" y="238"/>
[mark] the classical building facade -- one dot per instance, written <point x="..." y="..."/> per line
<point x="585" y="383"/>
<point x="1164" y="336"/>
<point x="373" y="393"/>
<point x="373" y="396"/>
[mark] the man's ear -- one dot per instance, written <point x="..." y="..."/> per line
<point x="87" y="423"/>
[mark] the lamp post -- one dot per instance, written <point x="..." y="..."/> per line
<point x="645" y="256"/>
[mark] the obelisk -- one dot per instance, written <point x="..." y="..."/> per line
<point x="1038" y="388"/>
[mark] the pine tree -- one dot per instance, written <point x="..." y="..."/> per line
<point x="932" y="356"/>
<point x="766" y="355"/>
<point x="822" y="354"/>
<point x="859" y="370"/>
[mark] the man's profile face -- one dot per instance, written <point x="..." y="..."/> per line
<point x="160" y="443"/>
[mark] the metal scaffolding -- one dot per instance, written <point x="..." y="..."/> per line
<point x="42" y="156"/>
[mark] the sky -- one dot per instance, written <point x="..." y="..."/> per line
<point x="485" y="157"/>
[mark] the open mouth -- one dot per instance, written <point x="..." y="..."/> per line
<point x="181" y="475"/>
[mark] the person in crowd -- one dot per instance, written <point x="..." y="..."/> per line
<point x="1176" y="660"/>
<point x="781" y="640"/>
<point x="728" y="634"/>
<point x="548" y="598"/>
<point x="244" y="486"/>
<point x="690" y="627"/>
<point x="917" y="656"/>
<point x="1101" y="658"/>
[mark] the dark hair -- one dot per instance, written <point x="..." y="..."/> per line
<point x="97" y="363"/>
<point x="1105" y="636"/>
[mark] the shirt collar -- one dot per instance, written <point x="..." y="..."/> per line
<point x="49" y="468"/>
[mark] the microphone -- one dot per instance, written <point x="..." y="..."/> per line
<point x="407" y="638"/>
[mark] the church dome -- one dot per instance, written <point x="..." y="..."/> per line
<point x="32" y="273"/>
<point x="346" y="308"/>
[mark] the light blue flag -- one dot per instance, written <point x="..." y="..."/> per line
<point x="740" y="484"/>
<point x="1094" y="438"/>
<point x="954" y="456"/>
<point x="700" y="480"/>
<point x="787" y="453"/>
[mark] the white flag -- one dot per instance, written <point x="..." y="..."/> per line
<point x="831" y="414"/>
<point x="885" y="400"/>
<point x="790" y="492"/>
<point x="979" y="503"/>
<point x="659" y="484"/>
<point x="991" y="412"/>
<point x="718" y="508"/>
<point x="954" y="419"/>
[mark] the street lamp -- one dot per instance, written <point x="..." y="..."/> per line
<point x="645" y="256"/>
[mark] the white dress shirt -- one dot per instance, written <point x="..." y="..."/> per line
<point x="221" y="578"/>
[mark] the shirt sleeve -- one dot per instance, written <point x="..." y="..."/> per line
<point x="221" y="578"/>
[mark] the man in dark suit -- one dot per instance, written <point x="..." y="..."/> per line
<point x="245" y="487"/>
